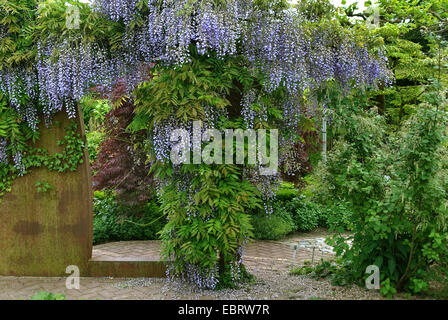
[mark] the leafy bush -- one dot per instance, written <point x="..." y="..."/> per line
<point x="337" y="217"/>
<point x="286" y="192"/>
<point x="335" y="214"/>
<point x="280" y="223"/>
<point x="306" y="215"/>
<point x="196" y="231"/>
<point x="294" y="211"/>
<point x="274" y="226"/>
<point x="116" y="222"/>
<point x="94" y="112"/>
<point x="397" y="194"/>
<point x="94" y="140"/>
<point x="207" y="205"/>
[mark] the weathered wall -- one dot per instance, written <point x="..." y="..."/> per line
<point x="43" y="233"/>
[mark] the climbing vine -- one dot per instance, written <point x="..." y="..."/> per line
<point x="239" y="64"/>
<point x="22" y="144"/>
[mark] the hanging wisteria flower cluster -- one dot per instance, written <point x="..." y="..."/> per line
<point x="66" y="70"/>
<point x="247" y="111"/>
<point x="170" y="27"/>
<point x="290" y="57"/>
<point x="208" y="279"/>
<point x="266" y="184"/>
<point x="279" y="46"/>
<point x="118" y="9"/>
<point x="16" y="84"/>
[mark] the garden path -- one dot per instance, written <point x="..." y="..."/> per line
<point x="272" y="255"/>
<point x="262" y="258"/>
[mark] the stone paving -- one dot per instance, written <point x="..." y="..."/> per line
<point x="261" y="256"/>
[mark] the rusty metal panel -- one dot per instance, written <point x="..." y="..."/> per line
<point x="43" y="233"/>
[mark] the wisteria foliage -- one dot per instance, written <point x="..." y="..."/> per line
<point x="279" y="46"/>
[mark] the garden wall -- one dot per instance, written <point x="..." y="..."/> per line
<point x="41" y="233"/>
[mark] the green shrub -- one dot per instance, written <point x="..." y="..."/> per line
<point x="306" y="215"/>
<point x="115" y="222"/>
<point x="396" y="186"/>
<point x="94" y="140"/>
<point x="338" y="217"/>
<point x="286" y="192"/>
<point x="94" y="114"/>
<point x="274" y="226"/>
<point x="305" y="212"/>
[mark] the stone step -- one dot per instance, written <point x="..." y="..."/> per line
<point x="121" y="267"/>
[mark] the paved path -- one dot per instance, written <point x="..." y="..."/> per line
<point x="261" y="256"/>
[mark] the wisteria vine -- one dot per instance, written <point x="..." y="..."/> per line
<point x="289" y="51"/>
